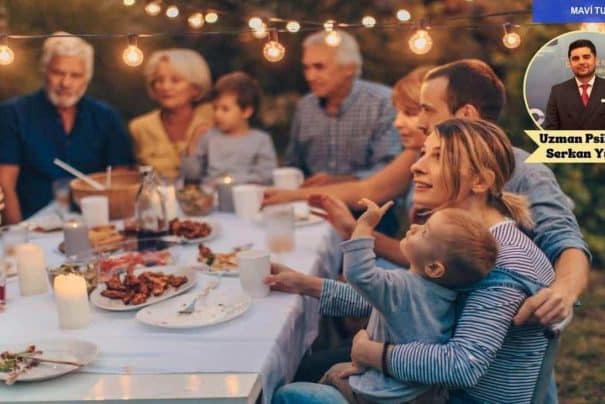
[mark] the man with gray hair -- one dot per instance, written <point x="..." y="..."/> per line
<point x="57" y="121"/>
<point x="343" y="129"/>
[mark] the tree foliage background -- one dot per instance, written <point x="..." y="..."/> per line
<point x="459" y="31"/>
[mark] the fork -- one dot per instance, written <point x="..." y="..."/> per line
<point x="212" y="284"/>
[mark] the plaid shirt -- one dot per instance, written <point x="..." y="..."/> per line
<point x="358" y="141"/>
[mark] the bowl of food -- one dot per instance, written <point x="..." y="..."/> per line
<point x="88" y="270"/>
<point x="122" y="193"/>
<point x="195" y="201"/>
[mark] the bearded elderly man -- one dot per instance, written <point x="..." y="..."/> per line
<point x="343" y="129"/>
<point x="57" y="121"/>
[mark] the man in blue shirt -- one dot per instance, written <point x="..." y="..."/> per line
<point x="343" y="129"/>
<point x="57" y="121"/>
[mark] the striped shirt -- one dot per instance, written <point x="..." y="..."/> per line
<point x="358" y="141"/>
<point x="488" y="358"/>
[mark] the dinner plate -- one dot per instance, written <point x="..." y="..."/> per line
<point x="309" y="220"/>
<point x="217" y="307"/>
<point x="62" y="349"/>
<point x="45" y="224"/>
<point x="214" y="230"/>
<point x="234" y="272"/>
<point x="117" y="305"/>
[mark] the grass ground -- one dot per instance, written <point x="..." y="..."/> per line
<point x="581" y="361"/>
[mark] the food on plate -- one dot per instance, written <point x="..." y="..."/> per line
<point x="217" y="262"/>
<point x="88" y="271"/>
<point x="195" y="201"/>
<point x="189" y="229"/>
<point x="136" y="289"/>
<point x="133" y="259"/>
<point x="105" y="238"/>
<point x="17" y="363"/>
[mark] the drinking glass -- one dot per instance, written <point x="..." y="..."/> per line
<point x="11" y="237"/>
<point x="62" y="195"/>
<point x="279" y="221"/>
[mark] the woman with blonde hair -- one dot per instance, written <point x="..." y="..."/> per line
<point x="463" y="164"/>
<point x="178" y="80"/>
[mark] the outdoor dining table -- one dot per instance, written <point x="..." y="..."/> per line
<point x="232" y="362"/>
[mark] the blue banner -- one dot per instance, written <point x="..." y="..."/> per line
<point x="564" y="11"/>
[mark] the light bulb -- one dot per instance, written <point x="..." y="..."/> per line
<point x="153" y="8"/>
<point x="593" y="27"/>
<point x="368" y="21"/>
<point x="196" y="20"/>
<point x="132" y="56"/>
<point x="511" y="40"/>
<point x="211" y="17"/>
<point x="129" y="3"/>
<point x="7" y="56"/>
<point x="273" y="51"/>
<point x="403" y="15"/>
<point x="329" y="25"/>
<point x="260" y="32"/>
<point x="333" y="39"/>
<point x="172" y="12"/>
<point x="421" y="42"/>
<point x="255" y="22"/>
<point x="293" y="26"/>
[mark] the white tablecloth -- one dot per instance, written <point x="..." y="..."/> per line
<point x="269" y="339"/>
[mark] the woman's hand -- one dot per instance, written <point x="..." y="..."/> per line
<point x="365" y="352"/>
<point x="370" y="218"/>
<point x="283" y="279"/>
<point x="337" y="213"/>
<point x="273" y="196"/>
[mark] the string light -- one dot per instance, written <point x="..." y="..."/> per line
<point x="403" y="15"/>
<point x="592" y="27"/>
<point x="368" y="21"/>
<point x="255" y="23"/>
<point x="172" y="11"/>
<point x="293" y="26"/>
<point x="211" y="17"/>
<point x="260" y="32"/>
<point x="196" y="20"/>
<point x="132" y="55"/>
<point x="129" y="3"/>
<point x="329" y="25"/>
<point x="332" y="38"/>
<point x="273" y="51"/>
<point x="510" y="39"/>
<point x="153" y="8"/>
<point x="421" y="42"/>
<point x="7" y="56"/>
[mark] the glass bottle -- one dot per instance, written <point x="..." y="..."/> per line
<point x="150" y="212"/>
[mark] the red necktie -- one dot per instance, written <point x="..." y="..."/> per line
<point x="585" y="93"/>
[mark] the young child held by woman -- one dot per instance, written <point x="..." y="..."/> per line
<point x="450" y="251"/>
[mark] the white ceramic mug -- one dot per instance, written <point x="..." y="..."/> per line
<point x="287" y="178"/>
<point x="95" y="210"/>
<point x="247" y="200"/>
<point x="254" y="266"/>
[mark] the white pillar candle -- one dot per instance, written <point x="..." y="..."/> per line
<point x="95" y="210"/>
<point x="72" y="301"/>
<point x="170" y="201"/>
<point x="31" y="269"/>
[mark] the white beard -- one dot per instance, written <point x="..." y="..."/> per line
<point x="61" y="101"/>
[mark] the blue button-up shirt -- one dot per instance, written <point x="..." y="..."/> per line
<point x="32" y="136"/>
<point x="358" y="141"/>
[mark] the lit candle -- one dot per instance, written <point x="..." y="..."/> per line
<point x="72" y="301"/>
<point x="224" y="188"/>
<point x="76" y="239"/>
<point x="31" y="269"/>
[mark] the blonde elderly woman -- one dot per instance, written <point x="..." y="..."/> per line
<point x="177" y="79"/>
<point x="56" y="121"/>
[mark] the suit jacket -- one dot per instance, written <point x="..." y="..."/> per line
<point x="565" y="109"/>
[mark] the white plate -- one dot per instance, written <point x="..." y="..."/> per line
<point x="310" y="220"/>
<point x="219" y="306"/>
<point x="214" y="230"/>
<point x="65" y="349"/>
<point x="116" y="304"/>
<point x="45" y="224"/>
<point x="210" y="271"/>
